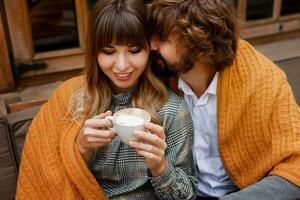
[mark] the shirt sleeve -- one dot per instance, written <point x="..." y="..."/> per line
<point x="178" y="181"/>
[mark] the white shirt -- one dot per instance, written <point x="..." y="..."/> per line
<point x="211" y="176"/>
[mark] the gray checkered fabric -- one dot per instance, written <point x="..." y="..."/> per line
<point x="122" y="174"/>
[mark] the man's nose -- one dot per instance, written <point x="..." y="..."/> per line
<point x="154" y="43"/>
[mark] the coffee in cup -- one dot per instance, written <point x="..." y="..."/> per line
<point x="128" y="120"/>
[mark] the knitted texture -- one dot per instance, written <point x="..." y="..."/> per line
<point x="258" y="120"/>
<point x="51" y="165"/>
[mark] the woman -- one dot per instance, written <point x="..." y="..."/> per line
<point x="71" y="129"/>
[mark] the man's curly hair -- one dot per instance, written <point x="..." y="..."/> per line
<point x="203" y="27"/>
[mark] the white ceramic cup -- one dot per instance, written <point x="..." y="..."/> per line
<point x="128" y="120"/>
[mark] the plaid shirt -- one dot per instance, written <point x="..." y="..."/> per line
<point x="122" y="173"/>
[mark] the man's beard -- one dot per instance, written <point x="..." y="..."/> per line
<point x="161" y="68"/>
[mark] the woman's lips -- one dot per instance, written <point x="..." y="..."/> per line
<point x="123" y="76"/>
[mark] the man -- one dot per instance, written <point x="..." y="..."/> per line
<point x="247" y="123"/>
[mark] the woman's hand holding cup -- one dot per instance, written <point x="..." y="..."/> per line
<point x="94" y="134"/>
<point x="152" y="147"/>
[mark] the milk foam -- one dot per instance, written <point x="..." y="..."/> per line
<point x="129" y="120"/>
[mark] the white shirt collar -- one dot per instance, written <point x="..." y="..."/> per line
<point x="186" y="89"/>
<point x="212" y="88"/>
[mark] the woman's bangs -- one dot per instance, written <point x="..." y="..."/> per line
<point x="129" y="31"/>
<point x="123" y="31"/>
<point x="104" y="33"/>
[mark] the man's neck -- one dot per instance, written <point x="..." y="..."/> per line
<point x="199" y="78"/>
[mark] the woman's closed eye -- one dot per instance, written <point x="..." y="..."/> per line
<point x="135" y="50"/>
<point x="108" y="51"/>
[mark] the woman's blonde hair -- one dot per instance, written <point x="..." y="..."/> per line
<point x="123" y="22"/>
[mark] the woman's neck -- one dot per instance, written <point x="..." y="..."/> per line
<point x="116" y="90"/>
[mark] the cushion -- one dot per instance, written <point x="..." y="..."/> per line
<point x="19" y="123"/>
<point x="13" y="130"/>
<point x="8" y="165"/>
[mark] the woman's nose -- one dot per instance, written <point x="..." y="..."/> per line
<point x="122" y="63"/>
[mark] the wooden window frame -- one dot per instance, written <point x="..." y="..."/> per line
<point x="6" y="78"/>
<point x="22" y="41"/>
<point x="277" y="24"/>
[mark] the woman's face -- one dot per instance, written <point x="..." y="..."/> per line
<point x="123" y="65"/>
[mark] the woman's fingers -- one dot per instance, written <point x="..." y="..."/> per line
<point x="98" y="133"/>
<point x="144" y="147"/>
<point x="94" y="133"/>
<point x="97" y="140"/>
<point x="151" y="138"/>
<point x="152" y="147"/>
<point x="103" y="115"/>
<point x="151" y="156"/>
<point x="98" y="123"/>
<point x="156" y="129"/>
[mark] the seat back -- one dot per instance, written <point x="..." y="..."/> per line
<point x="13" y="130"/>
<point x="8" y="164"/>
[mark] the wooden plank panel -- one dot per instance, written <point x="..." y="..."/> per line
<point x="59" y="64"/>
<point x="277" y="9"/>
<point x="20" y="30"/>
<point x="269" y="29"/>
<point x="242" y="5"/>
<point x="57" y="53"/>
<point x="82" y="20"/>
<point x="14" y="107"/>
<point x="6" y="78"/>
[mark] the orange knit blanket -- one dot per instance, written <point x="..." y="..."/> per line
<point x="258" y="127"/>
<point x="258" y="120"/>
<point x="51" y="165"/>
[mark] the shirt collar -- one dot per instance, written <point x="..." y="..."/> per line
<point x="186" y="89"/>
<point x="212" y="88"/>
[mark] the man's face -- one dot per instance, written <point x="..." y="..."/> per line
<point x="169" y="57"/>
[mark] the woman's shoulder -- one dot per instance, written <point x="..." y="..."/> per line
<point x="73" y="83"/>
<point x="175" y="114"/>
<point x="174" y="103"/>
<point x="65" y="90"/>
<point x="173" y="97"/>
<point x="68" y="87"/>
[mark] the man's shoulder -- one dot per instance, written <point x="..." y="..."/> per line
<point x="252" y="65"/>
